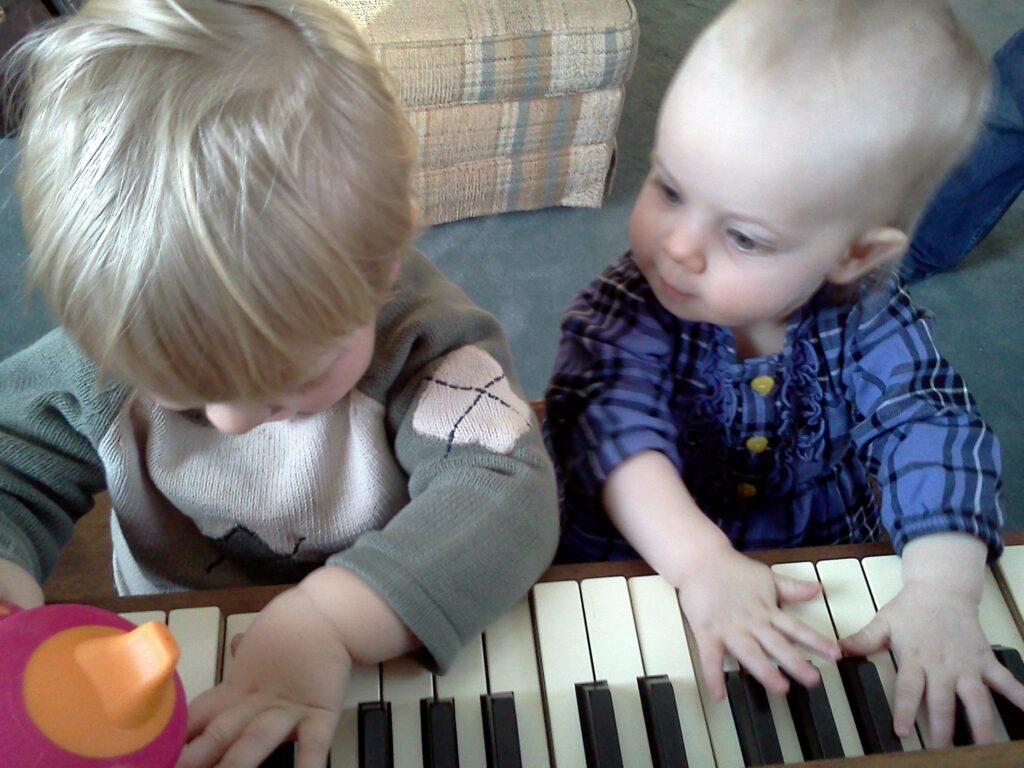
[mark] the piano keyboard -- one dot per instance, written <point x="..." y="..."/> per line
<point x="597" y="668"/>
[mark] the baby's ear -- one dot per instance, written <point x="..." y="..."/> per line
<point x="873" y="247"/>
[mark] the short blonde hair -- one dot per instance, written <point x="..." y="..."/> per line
<point x="903" y="75"/>
<point x="212" y="190"/>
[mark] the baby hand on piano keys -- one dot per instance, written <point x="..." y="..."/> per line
<point x="18" y="587"/>
<point x="730" y="601"/>
<point x="732" y="604"/>
<point x="941" y="651"/>
<point x="288" y="678"/>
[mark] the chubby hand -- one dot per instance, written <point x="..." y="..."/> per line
<point x="18" y="587"/>
<point x="732" y="604"/>
<point x="287" y="680"/>
<point x="941" y="654"/>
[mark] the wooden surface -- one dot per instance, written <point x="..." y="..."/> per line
<point x="84" y="573"/>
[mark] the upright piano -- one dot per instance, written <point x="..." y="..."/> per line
<point x="596" y="667"/>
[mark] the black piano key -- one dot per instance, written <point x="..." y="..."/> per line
<point x="1009" y="713"/>
<point x="661" y="715"/>
<point x="376" y="744"/>
<point x="597" y="721"/>
<point x="437" y="729"/>
<point x="752" y="715"/>
<point x="961" y="727"/>
<point x="815" y="725"/>
<point x="869" y="706"/>
<point x="501" y="731"/>
<point x="282" y="757"/>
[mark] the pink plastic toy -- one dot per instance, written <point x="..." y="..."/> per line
<point x="80" y="687"/>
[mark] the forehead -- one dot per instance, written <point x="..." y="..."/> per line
<point x="737" y="145"/>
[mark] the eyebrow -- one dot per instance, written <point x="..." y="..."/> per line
<point x="662" y="171"/>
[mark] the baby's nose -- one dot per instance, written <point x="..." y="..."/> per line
<point x="683" y="244"/>
<point x="236" y="419"/>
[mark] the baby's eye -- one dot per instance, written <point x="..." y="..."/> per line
<point x="668" y="193"/>
<point x="744" y="242"/>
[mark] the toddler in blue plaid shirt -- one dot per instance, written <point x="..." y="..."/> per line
<point x="751" y="374"/>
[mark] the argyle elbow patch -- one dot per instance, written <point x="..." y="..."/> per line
<point x="468" y="400"/>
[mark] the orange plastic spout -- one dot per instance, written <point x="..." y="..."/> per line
<point x="144" y="658"/>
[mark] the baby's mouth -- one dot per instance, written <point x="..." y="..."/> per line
<point x="674" y="292"/>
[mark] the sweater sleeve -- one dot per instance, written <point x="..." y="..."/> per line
<point x="936" y="461"/>
<point x="53" y="413"/>
<point x="481" y="524"/>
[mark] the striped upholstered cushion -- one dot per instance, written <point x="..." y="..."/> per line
<point x="467" y="133"/>
<point x="575" y="176"/>
<point x="455" y="51"/>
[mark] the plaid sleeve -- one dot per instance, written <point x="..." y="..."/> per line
<point x="936" y="461"/>
<point x="608" y="398"/>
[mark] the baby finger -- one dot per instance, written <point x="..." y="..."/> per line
<point x="752" y="657"/>
<point x="974" y="695"/>
<point x="801" y="633"/>
<point x="909" y="691"/>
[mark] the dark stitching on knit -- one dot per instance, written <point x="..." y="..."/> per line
<point x="272" y="558"/>
<point x="481" y="393"/>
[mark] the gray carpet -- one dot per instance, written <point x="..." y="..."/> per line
<point x="525" y="267"/>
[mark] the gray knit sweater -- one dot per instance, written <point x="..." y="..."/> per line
<point x="429" y="480"/>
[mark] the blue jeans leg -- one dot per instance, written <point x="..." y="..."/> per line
<point x="977" y="192"/>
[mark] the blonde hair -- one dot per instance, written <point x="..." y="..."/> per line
<point x="904" y="80"/>
<point x="212" y="190"/>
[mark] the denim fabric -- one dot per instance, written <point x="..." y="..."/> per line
<point x="977" y="193"/>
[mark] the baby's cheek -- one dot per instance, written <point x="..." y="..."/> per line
<point x="738" y="301"/>
<point x="641" y="231"/>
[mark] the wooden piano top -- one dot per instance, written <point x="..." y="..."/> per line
<point x="84" y="575"/>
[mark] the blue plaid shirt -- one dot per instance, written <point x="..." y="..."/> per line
<point x="857" y="423"/>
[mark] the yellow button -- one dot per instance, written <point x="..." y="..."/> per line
<point x="746" y="491"/>
<point x="757" y="443"/>
<point x="762" y="384"/>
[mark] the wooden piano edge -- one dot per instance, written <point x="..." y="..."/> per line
<point x="1008" y="755"/>
<point x="251" y="599"/>
<point x="244" y="599"/>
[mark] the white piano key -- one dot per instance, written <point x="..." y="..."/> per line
<point x="665" y="651"/>
<point x="850" y="604"/>
<point x="615" y="652"/>
<point x="198" y="632"/>
<point x="996" y="618"/>
<point x="1000" y="629"/>
<point x="235" y="625"/>
<point x="785" y="729"/>
<point x="512" y="666"/>
<point x="815" y="614"/>
<point x="465" y="682"/>
<point x="884" y="574"/>
<point x="1011" y="568"/>
<point x="717" y="712"/>
<point x="363" y="685"/>
<point x="403" y="683"/>
<point x="138" y="618"/>
<point x="885" y="578"/>
<point x="565" y="661"/>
